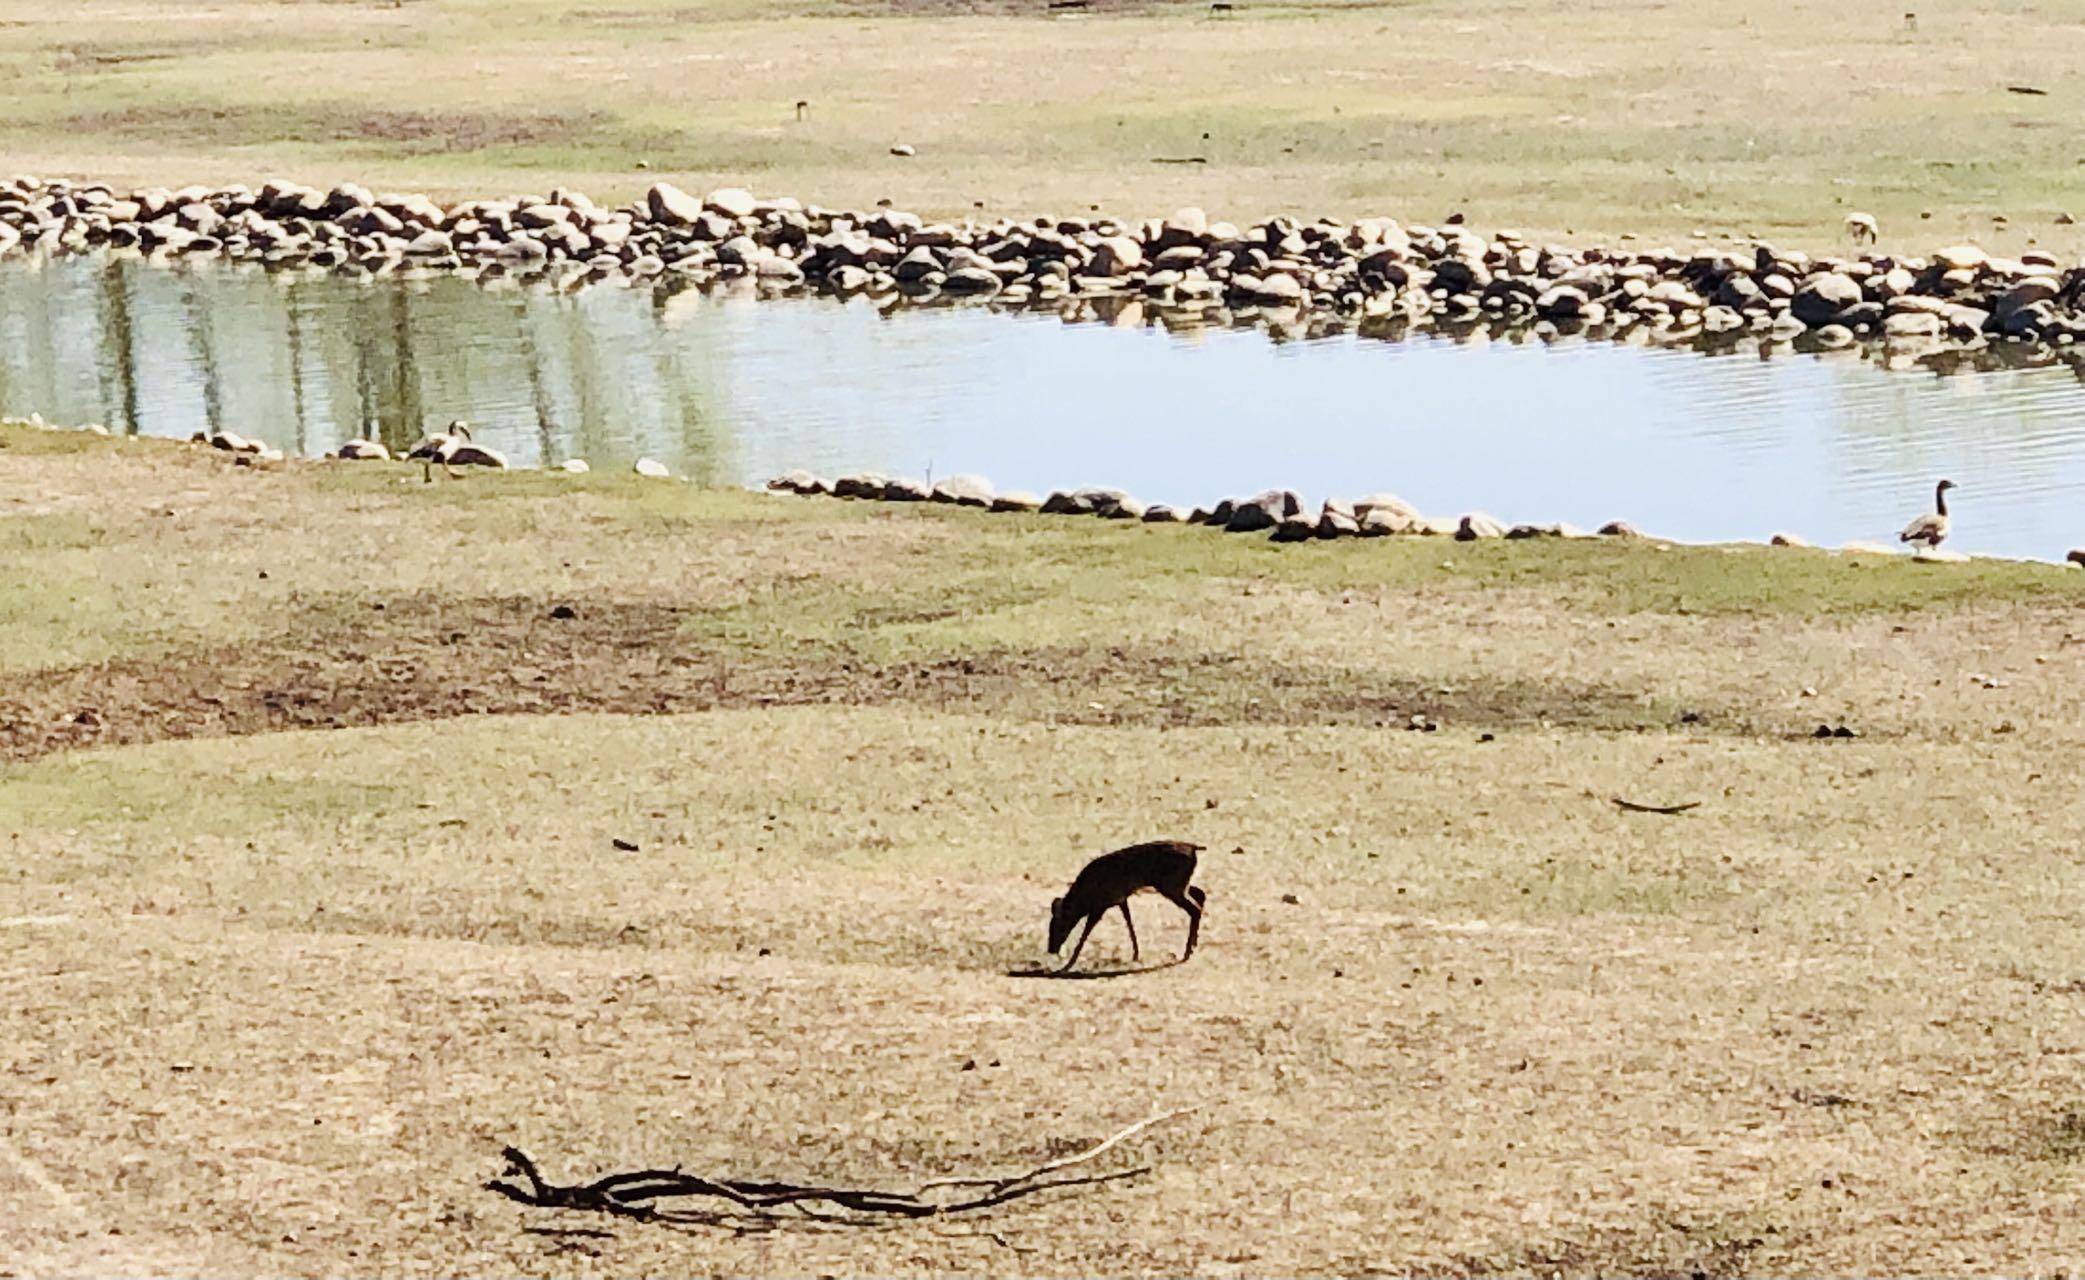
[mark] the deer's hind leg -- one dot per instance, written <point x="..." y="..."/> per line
<point x="1190" y="900"/>
<point x="1134" y="954"/>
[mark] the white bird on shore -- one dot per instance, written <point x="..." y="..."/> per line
<point x="455" y="448"/>
<point x="1929" y="530"/>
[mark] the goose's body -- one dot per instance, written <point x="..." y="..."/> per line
<point x="363" y="451"/>
<point x="1930" y="530"/>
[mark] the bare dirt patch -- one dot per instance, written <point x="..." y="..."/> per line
<point x="415" y="132"/>
<point x="346" y="664"/>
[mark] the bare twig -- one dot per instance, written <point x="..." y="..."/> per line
<point x="759" y="1205"/>
<point x="1063" y="1162"/>
<point x="1630" y="806"/>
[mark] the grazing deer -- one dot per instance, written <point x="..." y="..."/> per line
<point x="1108" y="882"/>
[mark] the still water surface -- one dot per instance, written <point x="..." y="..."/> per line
<point x="732" y="390"/>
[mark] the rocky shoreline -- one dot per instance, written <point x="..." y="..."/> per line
<point x="1955" y="308"/>
<point x="1282" y="514"/>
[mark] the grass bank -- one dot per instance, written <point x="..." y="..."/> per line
<point x="1640" y="116"/>
<point x="313" y="777"/>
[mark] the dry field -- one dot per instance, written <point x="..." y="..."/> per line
<point x="1659" y="117"/>
<point x="311" y="901"/>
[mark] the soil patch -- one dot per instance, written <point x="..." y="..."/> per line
<point x="347" y="664"/>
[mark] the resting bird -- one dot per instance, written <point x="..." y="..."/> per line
<point x="1930" y="529"/>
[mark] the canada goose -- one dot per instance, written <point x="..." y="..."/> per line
<point x="1107" y="883"/>
<point x="1930" y="529"/>
<point x="1861" y="226"/>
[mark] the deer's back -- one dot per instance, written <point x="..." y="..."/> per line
<point x="1155" y="864"/>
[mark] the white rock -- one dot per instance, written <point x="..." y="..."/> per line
<point x="652" y="468"/>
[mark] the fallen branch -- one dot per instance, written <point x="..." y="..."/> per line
<point x="637" y="1195"/>
<point x="1630" y="806"/>
<point x="1053" y="1166"/>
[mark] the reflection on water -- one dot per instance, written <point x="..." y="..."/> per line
<point x="730" y="390"/>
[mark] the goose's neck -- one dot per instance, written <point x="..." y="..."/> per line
<point x="1940" y="499"/>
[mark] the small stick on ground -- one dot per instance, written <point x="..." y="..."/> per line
<point x="1630" y="806"/>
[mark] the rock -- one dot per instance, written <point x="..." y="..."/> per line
<point x="904" y="490"/>
<point x="1380" y="522"/>
<point x="2076" y="556"/>
<point x="903" y="149"/>
<point x="1961" y="257"/>
<point x="798" y="482"/>
<point x="1125" y="508"/>
<point x="671" y="205"/>
<point x="971" y="280"/>
<point x="1789" y="540"/>
<point x="1388" y="502"/>
<point x="866" y="484"/>
<point x="1563" y="302"/>
<point x="430" y="244"/>
<point x="1435" y="527"/>
<point x="1619" y="529"/>
<point x="651" y="468"/>
<point x="1115" y="256"/>
<point x="1189" y="221"/>
<point x="1911" y="324"/>
<point x="2032" y="292"/>
<point x="917" y="265"/>
<point x="363" y="451"/>
<point x="1264" y="510"/>
<point x="964" y="491"/>
<point x="1521" y="531"/>
<point x="574" y="466"/>
<point x="1822" y="299"/>
<point x="1160" y="513"/>
<point x="1277" y="289"/>
<point x="732" y="202"/>
<point x="1866" y="549"/>
<point x="1338" y="524"/>
<point x="1477" y="525"/>
<point x="1062" y="503"/>
<point x="1295" y="529"/>
<point x="1016" y="500"/>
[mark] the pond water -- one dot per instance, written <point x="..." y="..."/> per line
<point x="733" y="390"/>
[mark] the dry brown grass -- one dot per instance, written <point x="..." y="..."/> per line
<point x="274" y="999"/>
<point x="1658" y="117"/>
